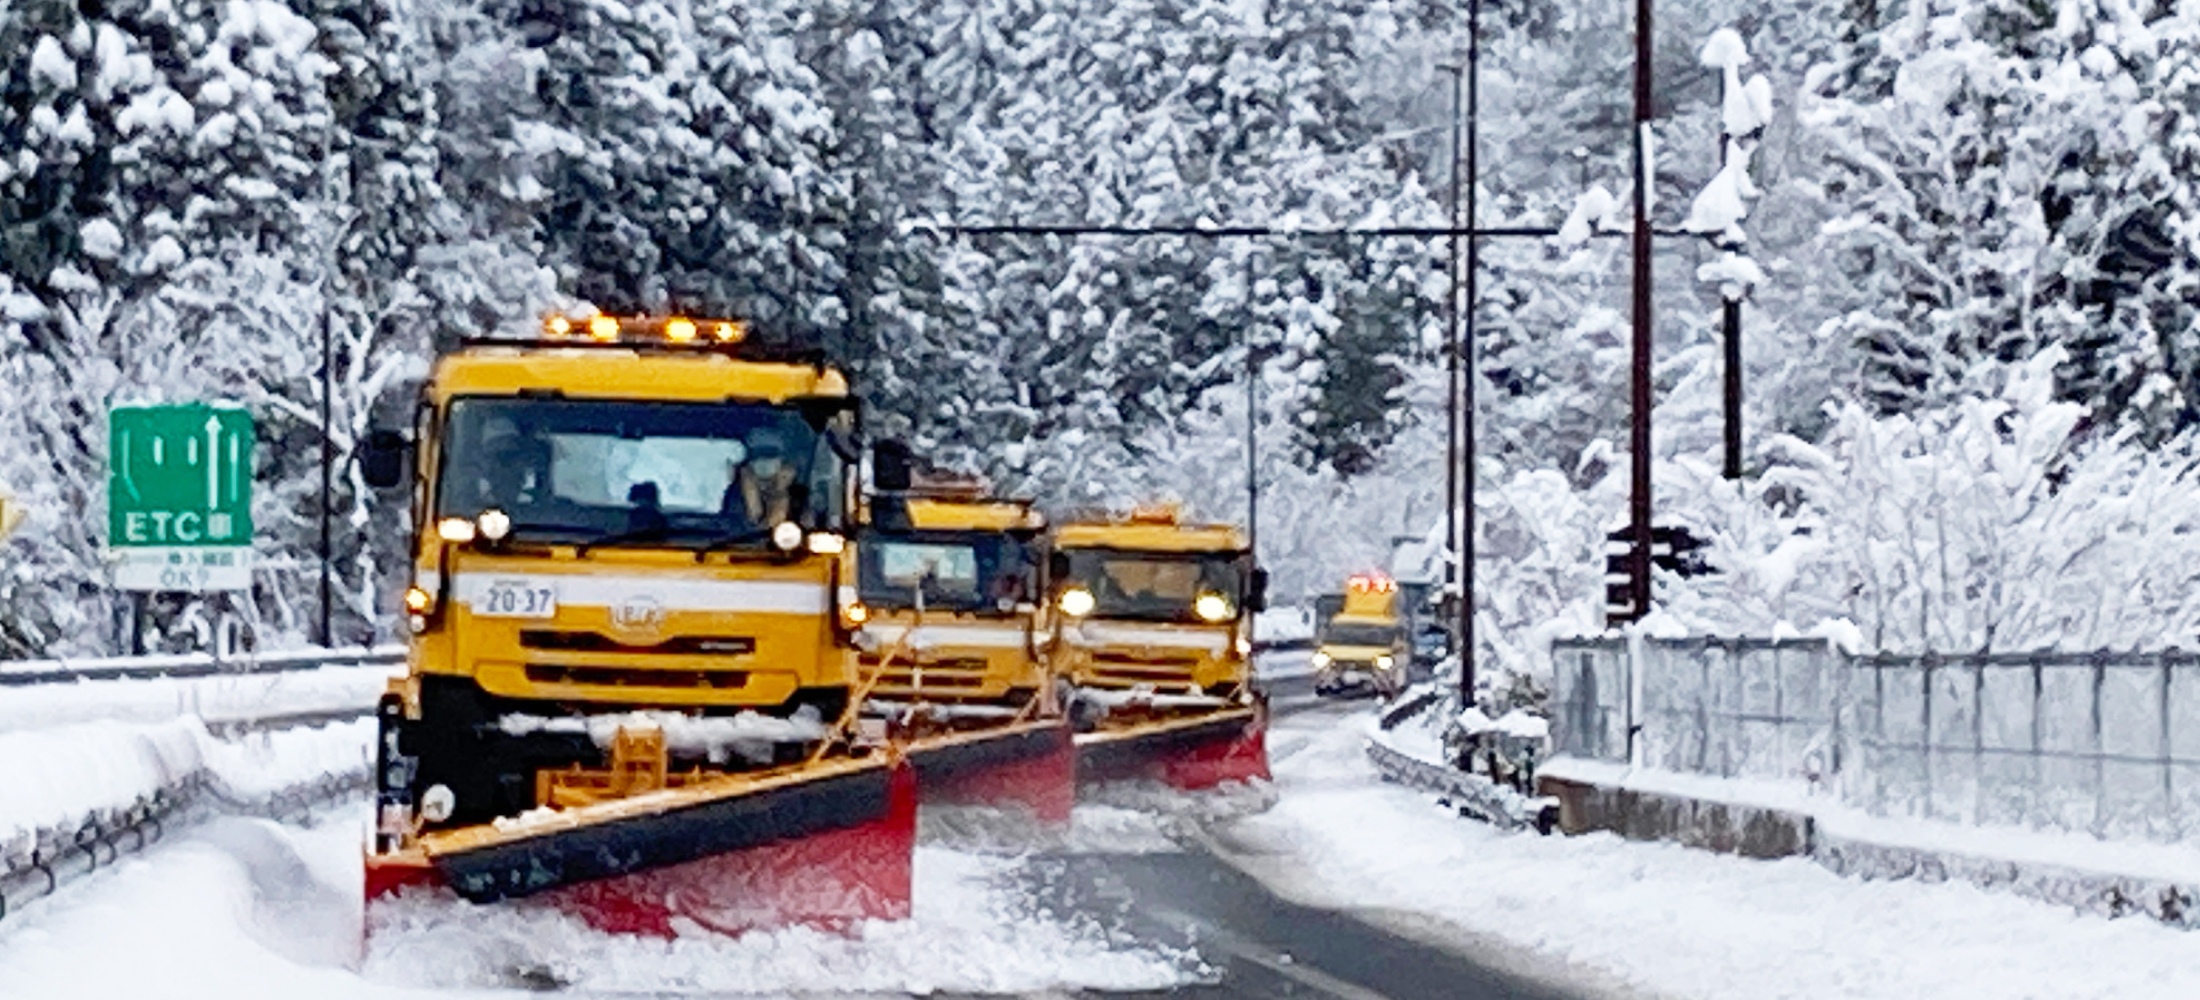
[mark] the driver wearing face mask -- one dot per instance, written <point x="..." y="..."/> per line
<point x="761" y="492"/>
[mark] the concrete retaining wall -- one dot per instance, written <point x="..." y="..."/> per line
<point x="1749" y="831"/>
<point x="1767" y="832"/>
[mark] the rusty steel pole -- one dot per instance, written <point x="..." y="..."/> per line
<point x="1639" y="433"/>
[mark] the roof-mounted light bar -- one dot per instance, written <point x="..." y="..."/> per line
<point x="608" y="329"/>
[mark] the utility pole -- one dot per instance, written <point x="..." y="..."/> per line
<point x="1467" y="472"/>
<point x="1639" y="436"/>
<point x="328" y="443"/>
<point x="1453" y="550"/>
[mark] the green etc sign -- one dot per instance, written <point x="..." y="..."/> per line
<point x="179" y="497"/>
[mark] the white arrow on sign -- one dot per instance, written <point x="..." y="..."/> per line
<point x="213" y="462"/>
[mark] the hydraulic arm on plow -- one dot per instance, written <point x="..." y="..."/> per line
<point x="632" y="687"/>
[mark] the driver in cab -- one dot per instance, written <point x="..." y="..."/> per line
<point x="760" y="493"/>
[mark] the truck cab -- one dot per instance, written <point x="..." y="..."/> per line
<point x="1364" y="643"/>
<point x="1152" y="614"/>
<point x="626" y="515"/>
<point x="949" y="584"/>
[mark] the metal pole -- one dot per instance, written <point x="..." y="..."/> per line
<point x="1467" y="470"/>
<point x="328" y="473"/>
<point x="1639" y="437"/>
<point x="1451" y="363"/>
<point x="1252" y="421"/>
<point x="1730" y="324"/>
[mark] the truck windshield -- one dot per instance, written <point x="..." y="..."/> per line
<point x="975" y="572"/>
<point x="1359" y="635"/>
<point x="655" y="473"/>
<point x="1155" y="586"/>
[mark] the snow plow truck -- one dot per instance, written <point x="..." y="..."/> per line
<point x="1364" y="643"/>
<point x="633" y="683"/>
<point x="949" y="580"/>
<point x="1151" y="634"/>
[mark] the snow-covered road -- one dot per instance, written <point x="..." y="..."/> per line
<point x="1607" y="916"/>
<point x="242" y="909"/>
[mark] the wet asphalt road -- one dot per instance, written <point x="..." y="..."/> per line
<point x="1255" y="944"/>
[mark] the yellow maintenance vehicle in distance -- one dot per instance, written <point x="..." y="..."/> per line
<point x="1364" y="642"/>
<point x="1152" y="631"/>
<point x="949" y="578"/>
<point x="633" y="653"/>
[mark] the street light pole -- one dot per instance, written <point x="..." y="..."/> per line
<point x="1639" y="436"/>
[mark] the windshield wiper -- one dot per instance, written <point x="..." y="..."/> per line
<point x="642" y="534"/>
<point x="731" y="541"/>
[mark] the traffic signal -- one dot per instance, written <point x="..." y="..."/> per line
<point x="1673" y="549"/>
<point x="1619" y="579"/>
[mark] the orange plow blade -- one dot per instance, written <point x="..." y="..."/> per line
<point x="1032" y="766"/>
<point x="1192" y="753"/>
<point x="825" y="848"/>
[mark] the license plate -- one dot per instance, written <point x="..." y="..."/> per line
<point x="516" y="599"/>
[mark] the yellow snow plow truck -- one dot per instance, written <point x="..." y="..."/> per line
<point x="633" y="675"/>
<point x="949" y="580"/>
<point x="1152" y="631"/>
<point x="1364" y="644"/>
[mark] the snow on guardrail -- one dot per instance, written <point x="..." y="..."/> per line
<point x="18" y="673"/>
<point x="99" y="790"/>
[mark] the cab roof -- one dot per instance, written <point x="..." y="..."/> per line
<point x="928" y="514"/>
<point x="621" y="372"/>
<point x="1149" y="537"/>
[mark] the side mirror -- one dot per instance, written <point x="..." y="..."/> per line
<point x="891" y="467"/>
<point x="382" y="461"/>
<point x="1256" y="591"/>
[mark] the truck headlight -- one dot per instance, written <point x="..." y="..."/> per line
<point x="787" y="536"/>
<point x="1077" y="602"/>
<point x="1383" y="662"/>
<point x="1211" y="607"/>
<point x="1320" y="659"/>
<point x="494" y="524"/>
<point x="457" y="530"/>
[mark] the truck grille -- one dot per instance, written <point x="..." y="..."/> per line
<point x="949" y="672"/>
<point x="593" y="642"/>
<point x="549" y="673"/>
<point x="1128" y="669"/>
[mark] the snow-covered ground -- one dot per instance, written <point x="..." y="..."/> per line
<point x="246" y="909"/>
<point x="1623" y="919"/>
<point x="96" y="768"/>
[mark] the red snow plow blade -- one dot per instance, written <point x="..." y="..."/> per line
<point x="1191" y="753"/>
<point x="825" y="845"/>
<point x="1032" y="765"/>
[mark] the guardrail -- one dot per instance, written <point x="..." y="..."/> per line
<point x="1472" y="794"/>
<point x="23" y="673"/>
<point x="62" y="854"/>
